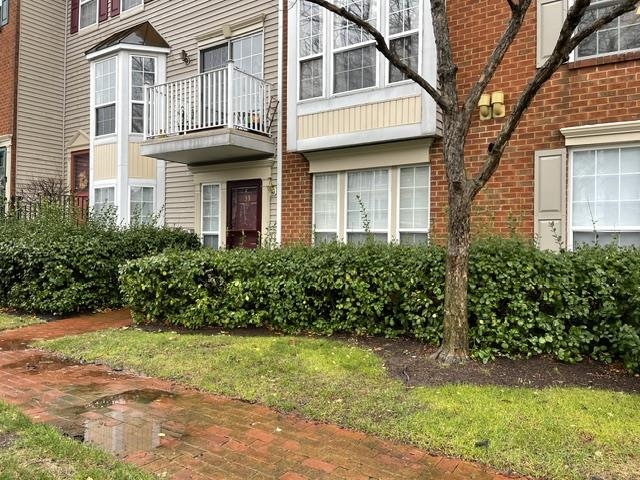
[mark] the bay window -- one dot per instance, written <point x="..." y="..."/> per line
<point x="383" y="203"/>
<point x="105" y="96"/>
<point x="606" y="196"/>
<point x="210" y="215"/>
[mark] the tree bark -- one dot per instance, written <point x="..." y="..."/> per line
<point x="455" y="340"/>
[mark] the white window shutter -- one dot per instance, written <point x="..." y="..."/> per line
<point x="550" y="17"/>
<point x="550" y="198"/>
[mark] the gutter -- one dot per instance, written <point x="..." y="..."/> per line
<point x="279" y="154"/>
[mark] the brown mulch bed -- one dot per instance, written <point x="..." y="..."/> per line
<point x="408" y="360"/>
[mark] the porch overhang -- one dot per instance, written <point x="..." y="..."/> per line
<point x="213" y="146"/>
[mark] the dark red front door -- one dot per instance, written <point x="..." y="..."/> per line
<point x="244" y="213"/>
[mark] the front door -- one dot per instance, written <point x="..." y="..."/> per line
<point x="244" y="213"/>
<point x="80" y="180"/>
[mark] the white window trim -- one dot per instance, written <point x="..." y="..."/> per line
<point x="570" y="228"/>
<point x="131" y="101"/>
<point x="374" y="231"/>
<point x="96" y="106"/>
<point x="142" y="184"/>
<point x="209" y="232"/>
<point x="80" y="4"/>
<point x="408" y="33"/>
<point x="328" y="51"/>
<point x="414" y="230"/>
<point x="573" y="57"/>
<point x="228" y="42"/>
<point x="102" y="185"/>
<point x="313" y="56"/>
<point x="338" y="204"/>
<point x="393" y="220"/>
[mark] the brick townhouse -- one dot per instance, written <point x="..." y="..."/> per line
<point x="32" y="92"/>
<point x="356" y="129"/>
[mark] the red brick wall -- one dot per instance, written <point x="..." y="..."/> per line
<point x="8" y="70"/>
<point x="8" y="76"/>
<point x="578" y="94"/>
<point x="296" y="179"/>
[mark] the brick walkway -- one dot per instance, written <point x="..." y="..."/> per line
<point x="184" y="434"/>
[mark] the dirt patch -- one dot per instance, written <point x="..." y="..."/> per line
<point x="7" y="439"/>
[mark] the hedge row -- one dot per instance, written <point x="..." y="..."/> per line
<point x="54" y="265"/>
<point x="522" y="301"/>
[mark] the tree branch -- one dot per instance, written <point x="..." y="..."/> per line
<point x="512" y="6"/>
<point x="383" y="47"/>
<point x="567" y="42"/>
<point x="495" y="59"/>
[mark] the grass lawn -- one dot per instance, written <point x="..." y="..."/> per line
<point x="7" y="321"/>
<point x="32" y="451"/>
<point x="553" y="433"/>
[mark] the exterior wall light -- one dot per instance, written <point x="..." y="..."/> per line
<point x="485" y="106"/>
<point x="491" y="105"/>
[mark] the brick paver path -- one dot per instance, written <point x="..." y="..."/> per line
<point x="184" y="434"/>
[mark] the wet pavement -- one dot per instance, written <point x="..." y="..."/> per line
<point x="181" y="433"/>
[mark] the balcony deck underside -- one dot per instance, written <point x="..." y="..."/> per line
<point x="210" y="146"/>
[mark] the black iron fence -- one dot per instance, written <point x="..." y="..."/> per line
<point x="22" y="208"/>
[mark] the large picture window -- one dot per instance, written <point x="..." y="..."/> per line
<point x="88" y="12"/>
<point x="143" y="72"/>
<point x="620" y="35"/>
<point x="606" y="196"/>
<point x="105" y="96"/>
<point x="386" y="204"/>
<point x="211" y="216"/>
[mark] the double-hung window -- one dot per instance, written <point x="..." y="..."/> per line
<point x="143" y="72"/>
<point x="105" y="96"/>
<point x="325" y="207"/>
<point x="211" y="215"/>
<point x="104" y="198"/>
<point x="368" y="205"/>
<point x="404" y="35"/>
<point x="88" y="12"/>
<point x="141" y="204"/>
<point x="354" y="51"/>
<point x="620" y="35"/>
<point x="606" y="196"/>
<point x="129" y="4"/>
<point x="413" y="217"/>
<point x="310" y="49"/>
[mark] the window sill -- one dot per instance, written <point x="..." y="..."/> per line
<point x="88" y="29"/>
<point x="604" y="60"/>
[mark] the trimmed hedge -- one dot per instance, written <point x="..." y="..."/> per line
<point x="522" y="301"/>
<point x="54" y="265"/>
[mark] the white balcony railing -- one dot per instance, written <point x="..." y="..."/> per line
<point x="208" y="100"/>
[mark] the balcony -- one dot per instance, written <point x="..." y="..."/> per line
<point x="219" y="116"/>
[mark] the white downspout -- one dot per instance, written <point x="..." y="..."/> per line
<point x="281" y="10"/>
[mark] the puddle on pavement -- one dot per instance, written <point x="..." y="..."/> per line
<point x="38" y="363"/>
<point x="121" y="423"/>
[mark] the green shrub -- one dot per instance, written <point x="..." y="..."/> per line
<point x="522" y="301"/>
<point x="52" y="264"/>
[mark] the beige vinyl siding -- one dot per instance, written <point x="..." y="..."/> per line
<point x="139" y="166"/>
<point x="392" y="113"/>
<point x="105" y="162"/>
<point x="180" y="24"/>
<point x="40" y="107"/>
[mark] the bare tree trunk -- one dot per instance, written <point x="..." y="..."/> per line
<point x="455" y="341"/>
